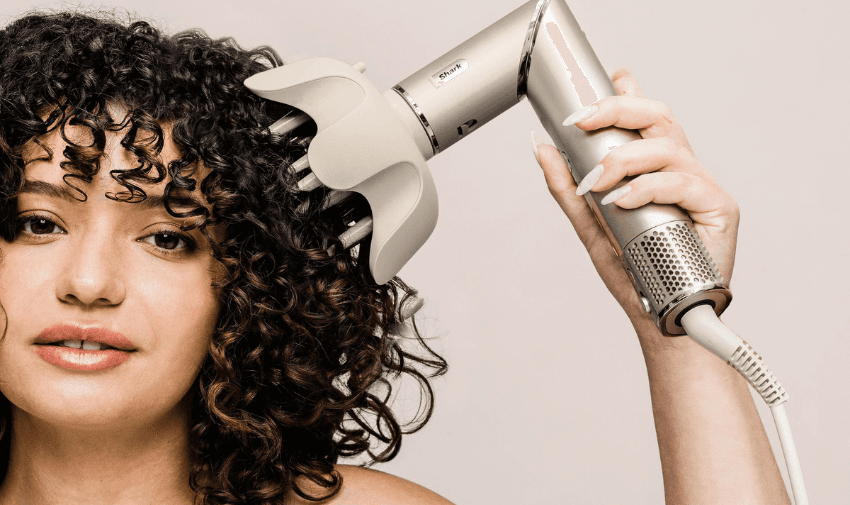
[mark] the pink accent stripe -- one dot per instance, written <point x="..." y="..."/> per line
<point x="580" y="82"/>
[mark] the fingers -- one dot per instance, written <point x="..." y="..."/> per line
<point x="644" y="156"/>
<point x="650" y="117"/>
<point x="704" y="200"/>
<point x="714" y="212"/>
<point x="603" y="255"/>
<point x="630" y="110"/>
<point x="563" y="189"/>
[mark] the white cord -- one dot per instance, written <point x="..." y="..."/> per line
<point x="789" y="450"/>
<point x="703" y="326"/>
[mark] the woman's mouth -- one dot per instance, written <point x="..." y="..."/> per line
<point x="83" y="344"/>
<point x="77" y="348"/>
<point x="81" y="358"/>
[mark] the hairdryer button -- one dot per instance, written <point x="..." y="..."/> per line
<point x="645" y="303"/>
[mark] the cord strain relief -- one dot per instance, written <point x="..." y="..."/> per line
<point x="749" y="364"/>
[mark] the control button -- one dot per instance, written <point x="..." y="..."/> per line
<point x="646" y="307"/>
<point x="567" y="161"/>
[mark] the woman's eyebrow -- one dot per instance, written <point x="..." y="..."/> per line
<point x="63" y="192"/>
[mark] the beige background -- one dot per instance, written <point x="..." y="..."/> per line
<point x="547" y="398"/>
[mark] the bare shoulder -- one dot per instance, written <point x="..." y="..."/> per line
<point x="365" y="486"/>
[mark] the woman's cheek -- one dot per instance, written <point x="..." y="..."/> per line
<point x="179" y="303"/>
<point x="26" y="283"/>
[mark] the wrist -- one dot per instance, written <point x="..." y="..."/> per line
<point x="653" y="343"/>
<point x="650" y="337"/>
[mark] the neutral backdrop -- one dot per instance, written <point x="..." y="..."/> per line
<point x="547" y="400"/>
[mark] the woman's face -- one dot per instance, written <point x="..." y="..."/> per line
<point x="123" y="267"/>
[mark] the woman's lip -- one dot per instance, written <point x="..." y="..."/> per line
<point x="82" y="359"/>
<point x="62" y="332"/>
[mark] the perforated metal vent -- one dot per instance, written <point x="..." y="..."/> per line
<point x="672" y="259"/>
<point x="672" y="270"/>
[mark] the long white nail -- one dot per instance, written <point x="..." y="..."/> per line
<point x="535" y="141"/>
<point x="616" y="194"/>
<point x="590" y="180"/>
<point x="581" y="115"/>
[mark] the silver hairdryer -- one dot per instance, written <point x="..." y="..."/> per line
<point x="377" y="144"/>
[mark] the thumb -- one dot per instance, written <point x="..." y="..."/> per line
<point x="563" y="189"/>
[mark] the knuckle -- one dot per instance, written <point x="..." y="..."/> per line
<point x="684" y="153"/>
<point x="692" y="182"/>
<point x="641" y="186"/>
<point x="670" y="149"/>
<point x="733" y="209"/>
<point x="556" y="189"/>
<point x="607" y="106"/>
<point x="614" y="163"/>
<point x="665" y="114"/>
<point x="670" y="146"/>
<point x="620" y="73"/>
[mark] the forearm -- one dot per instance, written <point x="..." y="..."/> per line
<point x="712" y="443"/>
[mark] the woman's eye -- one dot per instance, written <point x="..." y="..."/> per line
<point x="169" y="241"/>
<point x="35" y="225"/>
<point x="166" y="240"/>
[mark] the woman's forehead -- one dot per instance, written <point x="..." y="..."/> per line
<point x="48" y="169"/>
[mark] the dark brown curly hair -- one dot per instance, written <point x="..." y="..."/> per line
<point x="300" y="367"/>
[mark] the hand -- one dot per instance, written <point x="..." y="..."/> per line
<point x="671" y="175"/>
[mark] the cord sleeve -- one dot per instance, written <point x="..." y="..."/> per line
<point x="703" y="326"/>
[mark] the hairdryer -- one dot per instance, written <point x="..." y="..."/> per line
<point x="377" y="144"/>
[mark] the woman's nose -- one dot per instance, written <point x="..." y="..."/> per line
<point x="92" y="272"/>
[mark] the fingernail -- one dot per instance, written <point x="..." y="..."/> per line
<point x="590" y="179"/>
<point x="616" y="194"/>
<point x="581" y="115"/>
<point x="535" y="141"/>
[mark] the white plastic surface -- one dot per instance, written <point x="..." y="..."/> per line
<point x="789" y="451"/>
<point x="703" y="326"/>
<point x="361" y="145"/>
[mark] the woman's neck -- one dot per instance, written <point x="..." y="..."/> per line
<point x="130" y="464"/>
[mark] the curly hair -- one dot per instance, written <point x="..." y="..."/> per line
<point x="301" y="364"/>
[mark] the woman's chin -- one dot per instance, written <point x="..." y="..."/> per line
<point x="84" y="402"/>
<point x="84" y="411"/>
<point x="119" y="397"/>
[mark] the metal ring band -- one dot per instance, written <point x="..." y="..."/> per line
<point x="422" y="120"/>
<point x="530" y="38"/>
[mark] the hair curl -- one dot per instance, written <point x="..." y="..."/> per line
<point x="298" y="370"/>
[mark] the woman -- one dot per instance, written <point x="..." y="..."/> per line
<point x="149" y="217"/>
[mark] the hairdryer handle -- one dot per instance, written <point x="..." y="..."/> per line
<point x="670" y="267"/>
